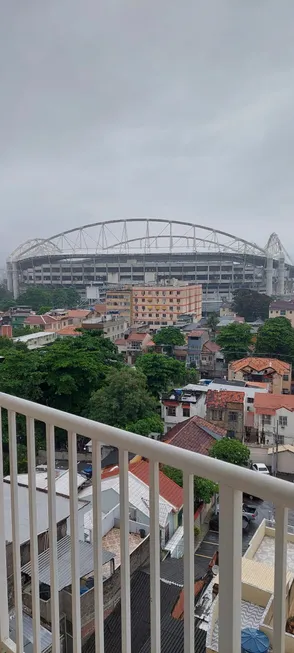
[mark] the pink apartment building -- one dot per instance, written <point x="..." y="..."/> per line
<point x="162" y="305"/>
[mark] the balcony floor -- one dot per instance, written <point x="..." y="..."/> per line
<point x="266" y="553"/>
<point x="251" y="616"/>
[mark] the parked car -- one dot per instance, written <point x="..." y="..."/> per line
<point x="214" y="523"/>
<point x="248" y="511"/>
<point x="261" y="468"/>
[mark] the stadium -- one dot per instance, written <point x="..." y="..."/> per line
<point x="151" y="250"/>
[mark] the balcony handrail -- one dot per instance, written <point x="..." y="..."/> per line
<point x="238" y="478"/>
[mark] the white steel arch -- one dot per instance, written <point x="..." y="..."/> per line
<point x="150" y="234"/>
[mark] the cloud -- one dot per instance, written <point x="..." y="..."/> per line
<point x="113" y="109"/>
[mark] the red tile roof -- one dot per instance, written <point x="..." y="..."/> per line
<point x="268" y="404"/>
<point x="197" y="333"/>
<point x="168" y="489"/>
<point x="78" y="312"/>
<point x="139" y="337"/>
<point x="220" y="398"/>
<point x="211" y="346"/>
<point x="256" y="384"/>
<point x="69" y="331"/>
<point x="194" y="434"/>
<point x="260" y="364"/>
<point x="120" y="341"/>
<point x="40" y="320"/>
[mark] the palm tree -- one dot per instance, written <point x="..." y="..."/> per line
<point x="212" y="322"/>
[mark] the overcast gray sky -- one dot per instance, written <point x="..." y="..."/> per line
<point x="168" y="108"/>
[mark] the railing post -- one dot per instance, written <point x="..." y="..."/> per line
<point x="189" y="626"/>
<point x="33" y="532"/>
<point x="125" y="552"/>
<point x="230" y="569"/>
<point x="97" y="543"/>
<point x="4" y="620"/>
<point x="54" y="593"/>
<point x="15" y="529"/>
<point x="75" y="543"/>
<point x="281" y="529"/>
<point x="154" y="558"/>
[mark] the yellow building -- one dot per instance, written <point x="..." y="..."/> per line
<point x="162" y="305"/>
<point x="120" y="300"/>
<point x="282" y="308"/>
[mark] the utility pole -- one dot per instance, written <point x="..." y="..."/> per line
<point x="275" y="449"/>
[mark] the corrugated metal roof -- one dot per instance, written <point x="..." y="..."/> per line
<point x="62" y="511"/>
<point x="64" y="562"/>
<point x="28" y="636"/>
<point x="62" y="481"/>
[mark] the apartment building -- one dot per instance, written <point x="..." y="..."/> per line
<point x="162" y="305"/>
<point x="113" y="327"/>
<point x="282" y="308"/>
<point x="119" y="300"/>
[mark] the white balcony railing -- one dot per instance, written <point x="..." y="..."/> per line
<point x="232" y="481"/>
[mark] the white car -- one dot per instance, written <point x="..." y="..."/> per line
<point x="260" y="467"/>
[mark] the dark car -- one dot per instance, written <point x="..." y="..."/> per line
<point x="214" y="523"/>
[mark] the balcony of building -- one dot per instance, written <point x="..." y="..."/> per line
<point x="68" y="569"/>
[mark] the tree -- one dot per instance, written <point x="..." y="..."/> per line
<point x="212" y="322"/>
<point x="169" y="337"/>
<point x="123" y="399"/>
<point x="234" y="340"/>
<point x="25" y="330"/>
<point x="251" y="304"/>
<point x="203" y="488"/>
<point x="231" y="451"/>
<point x="6" y="298"/>
<point x="275" y="339"/>
<point x="146" y="426"/>
<point x="39" y="298"/>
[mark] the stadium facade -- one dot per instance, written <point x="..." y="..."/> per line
<point x="151" y="250"/>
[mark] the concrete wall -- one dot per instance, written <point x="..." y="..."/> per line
<point x="256" y="541"/>
<point x="111" y="591"/>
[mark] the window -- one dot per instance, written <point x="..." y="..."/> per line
<point x="285" y="377"/>
<point x="150" y="314"/>
<point x="283" y="421"/>
<point x="217" y="415"/>
<point x="157" y="315"/>
<point x="186" y="412"/>
<point x="267" y="419"/>
<point x="143" y="299"/>
<point x="250" y="400"/>
<point x="171" y="411"/>
<point x="233" y="416"/>
<point x="282" y="312"/>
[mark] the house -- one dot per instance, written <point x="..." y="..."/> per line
<point x="212" y="361"/>
<point x="181" y="403"/>
<point x="276" y="373"/>
<point x="69" y="331"/>
<point x="37" y="340"/>
<point x="171" y="501"/>
<point x="134" y="344"/>
<point x="226" y="409"/>
<point x="48" y="321"/>
<point x="42" y="525"/>
<point x="195" y="434"/>
<point x="274" y="417"/>
<point x="113" y="327"/>
<point x="196" y="340"/>
<point x="77" y="315"/>
<point x="282" y="308"/>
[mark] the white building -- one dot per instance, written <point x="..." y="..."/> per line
<point x="37" y="340"/>
<point x="190" y="400"/>
<point x="274" y="418"/>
